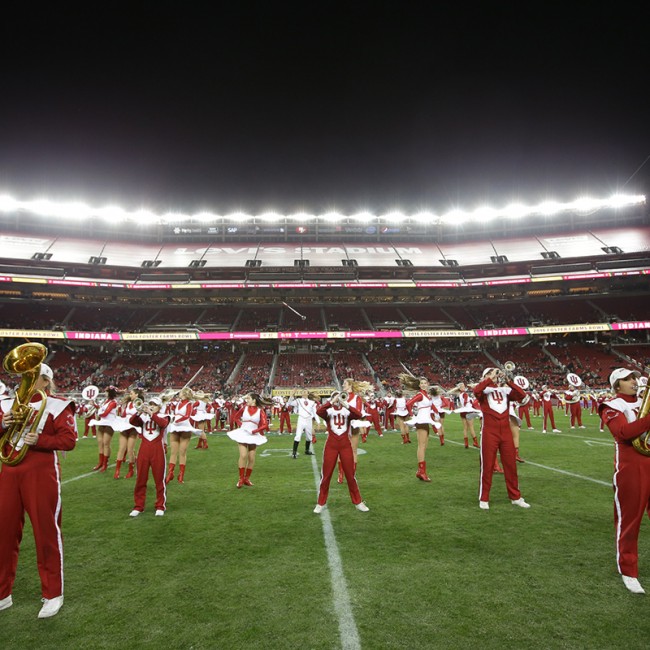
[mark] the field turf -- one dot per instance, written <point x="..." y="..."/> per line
<point x="425" y="568"/>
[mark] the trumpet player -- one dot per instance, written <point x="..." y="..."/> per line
<point x="338" y="414"/>
<point x="33" y="486"/>
<point x="547" y="404"/>
<point x="494" y="394"/>
<point x="151" y="455"/>
<point x="631" y="472"/>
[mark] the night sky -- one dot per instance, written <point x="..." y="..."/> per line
<point x="314" y="105"/>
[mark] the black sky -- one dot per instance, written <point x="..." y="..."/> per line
<point x="358" y="104"/>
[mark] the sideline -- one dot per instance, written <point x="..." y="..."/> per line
<point x="553" y="469"/>
<point x="342" y="606"/>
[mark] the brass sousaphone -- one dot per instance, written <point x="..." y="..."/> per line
<point x="24" y="360"/>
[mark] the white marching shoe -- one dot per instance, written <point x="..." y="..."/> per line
<point x="520" y="502"/>
<point x="134" y="513"/>
<point x="362" y="507"/>
<point x="484" y="505"/>
<point x="633" y="585"/>
<point x="160" y="513"/>
<point x="51" y="607"/>
<point x="318" y="509"/>
<point x="6" y="603"/>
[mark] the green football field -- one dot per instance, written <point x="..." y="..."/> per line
<point x="425" y="568"/>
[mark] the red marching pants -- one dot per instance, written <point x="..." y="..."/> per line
<point x="548" y="413"/>
<point x="285" y="421"/>
<point x="33" y="487"/>
<point x="151" y="455"/>
<point x="576" y="414"/>
<point x="338" y="447"/>
<point x="498" y="437"/>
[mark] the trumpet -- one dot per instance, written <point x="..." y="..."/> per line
<point x="168" y="395"/>
<point x="24" y="360"/>
<point x="642" y="442"/>
<point x="508" y="369"/>
<point x="338" y="397"/>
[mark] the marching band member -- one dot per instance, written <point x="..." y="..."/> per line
<point x="372" y="411"/>
<point x="253" y="423"/>
<point x="34" y="486"/>
<point x="389" y="411"/>
<point x="305" y="407"/>
<point x="631" y="472"/>
<point x="467" y="406"/>
<point x="547" y="404"/>
<point x="426" y="416"/>
<point x="128" y="436"/>
<point x="180" y="431"/>
<point x="106" y="421"/>
<point x="151" y="455"/>
<point x="338" y="414"/>
<point x="401" y="413"/>
<point x="285" y="417"/>
<point x="496" y="435"/>
<point x="523" y="412"/>
<point x="573" y="396"/>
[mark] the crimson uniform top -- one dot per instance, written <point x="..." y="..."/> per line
<point x="34" y="486"/>
<point x="338" y="419"/>
<point x="496" y="435"/>
<point x="631" y="480"/>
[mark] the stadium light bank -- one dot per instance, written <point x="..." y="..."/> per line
<point x="80" y="211"/>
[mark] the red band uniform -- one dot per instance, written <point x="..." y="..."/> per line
<point x="338" y="446"/>
<point x="34" y="487"/>
<point x="151" y="455"/>
<point x="496" y="434"/>
<point x="631" y="480"/>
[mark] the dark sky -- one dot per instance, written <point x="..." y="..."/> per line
<point x="358" y="104"/>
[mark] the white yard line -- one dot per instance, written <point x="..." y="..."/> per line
<point x="76" y="478"/>
<point x="554" y="469"/>
<point x="342" y="605"/>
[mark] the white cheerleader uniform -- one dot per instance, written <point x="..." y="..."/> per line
<point x="201" y="413"/>
<point x="400" y="407"/>
<point x="107" y="416"/>
<point x="424" y="414"/>
<point x="357" y="402"/>
<point x="181" y="419"/>
<point x="253" y="423"/>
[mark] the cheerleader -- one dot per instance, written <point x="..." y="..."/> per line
<point x="468" y="411"/>
<point x="180" y="431"/>
<point x="201" y="418"/>
<point x="253" y="423"/>
<point x="129" y="436"/>
<point x="355" y="389"/>
<point x="106" y="421"/>
<point x="443" y="406"/>
<point x="401" y="413"/>
<point x="427" y="415"/>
